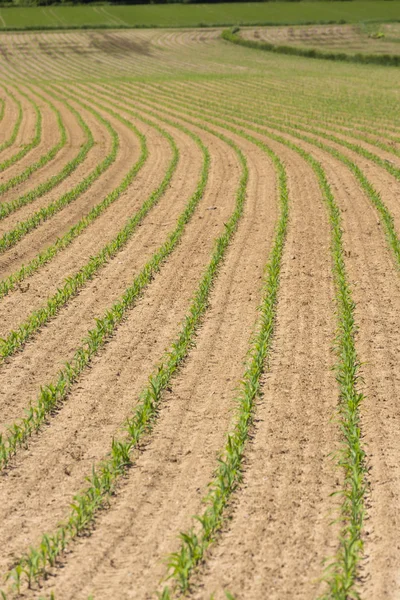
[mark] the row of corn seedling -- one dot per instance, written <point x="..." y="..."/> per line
<point x="44" y="159"/>
<point x="2" y="109"/>
<point x="7" y="208"/>
<point x="12" y="237"/>
<point x="32" y="567"/>
<point x="74" y="283"/>
<point x="195" y="542"/>
<point x="9" y="142"/>
<point x="260" y="104"/>
<point x="343" y="571"/>
<point x="35" y="141"/>
<point x="262" y="108"/>
<point x="366" y="185"/>
<point x="11" y="282"/>
<point x="52" y="395"/>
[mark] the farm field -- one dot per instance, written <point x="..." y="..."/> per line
<point x="184" y="15"/>
<point x="382" y="38"/>
<point x="200" y="336"/>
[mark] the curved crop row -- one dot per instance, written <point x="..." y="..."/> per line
<point x="229" y="471"/>
<point x="44" y="159"/>
<point x="7" y="208"/>
<point x="105" y="476"/>
<point x="343" y="573"/>
<point x="103" y="479"/>
<point x="52" y="395"/>
<point x="74" y="283"/>
<point x="374" y="196"/>
<point x="17" y="123"/>
<point x="282" y="124"/>
<point x="30" y="145"/>
<point x="310" y="109"/>
<point x="11" y="238"/>
<point x="263" y="108"/>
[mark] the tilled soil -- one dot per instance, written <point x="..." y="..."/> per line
<point x="280" y="525"/>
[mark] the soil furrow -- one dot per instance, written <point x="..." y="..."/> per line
<point x="9" y="120"/>
<point x="166" y="491"/>
<point x="50" y="136"/>
<point x="376" y="293"/>
<point x="61" y="336"/>
<point x="280" y="529"/>
<point x="50" y="230"/>
<point x="75" y="138"/>
<point x="25" y="133"/>
<point x="17" y="306"/>
<point x="139" y="341"/>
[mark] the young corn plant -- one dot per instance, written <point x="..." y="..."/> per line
<point x="52" y="395"/>
<point x="35" y="140"/>
<point x="44" y="159"/>
<point x="17" y="124"/>
<point x="371" y="192"/>
<point x="12" y="237"/>
<point x="343" y="570"/>
<point x="105" y="477"/>
<point x="195" y="542"/>
<point x="11" y="282"/>
<point x="6" y="208"/>
<point x="264" y="116"/>
<point x="74" y="283"/>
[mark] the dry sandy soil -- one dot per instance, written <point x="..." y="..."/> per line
<point x="207" y="120"/>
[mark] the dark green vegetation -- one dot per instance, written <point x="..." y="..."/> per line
<point x="363" y="58"/>
<point x="194" y="15"/>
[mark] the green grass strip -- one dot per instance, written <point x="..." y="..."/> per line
<point x="52" y="395"/>
<point x="43" y="159"/>
<point x="7" y="208"/>
<point x="391" y="60"/>
<point x="74" y="283"/>
<point x="12" y="237"/>
<point x="17" y="123"/>
<point x="35" y="140"/>
<point x="366" y="185"/>
<point x="229" y="471"/>
<point x="344" y="568"/>
<point x="104" y="478"/>
<point x="190" y="24"/>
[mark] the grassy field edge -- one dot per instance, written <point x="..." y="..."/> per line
<point x="390" y="60"/>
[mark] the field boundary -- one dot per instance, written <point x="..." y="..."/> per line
<point x="199" y="25"/>
<point x="390" y="60"/>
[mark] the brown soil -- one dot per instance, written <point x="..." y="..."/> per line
<point x="75" y="138"/>
<point x="162" y="479"/>
<point x="277" y="531"/>
<point x="150" y="328"/>
<point x="50" y="137"/>
<point x="56" y="226"/>
<point x="25" y="133"/>
<point x="376" y="292"/>
<point x="9" y="119"/>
